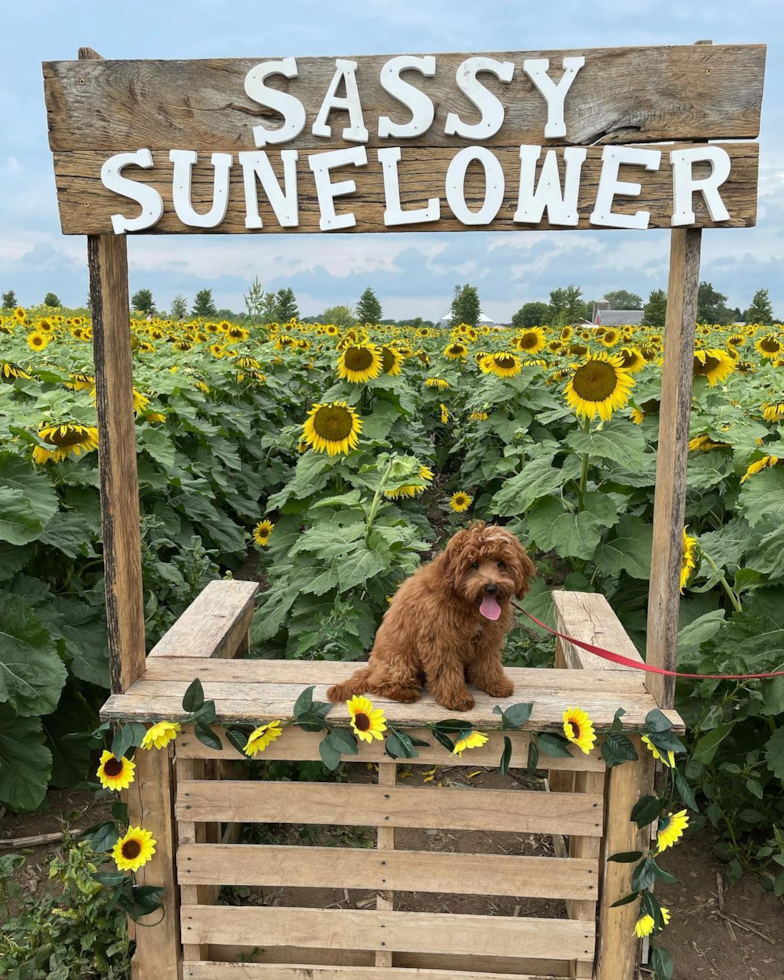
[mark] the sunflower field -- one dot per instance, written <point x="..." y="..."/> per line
<point x="329" y="463"/>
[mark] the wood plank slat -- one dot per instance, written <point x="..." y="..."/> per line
<point x="476" y="935"/>
<point x="643" y="93"/>
<point x="590" y="617"/>
<point x="297" y="745"/>
<point x="345" y="805"/>
<point x="215" y="624"/>
<point x="385" y="845"/>
<point x="86" y="205"/>
<point x="268" y="865"/>
<point x="214" y="970"/>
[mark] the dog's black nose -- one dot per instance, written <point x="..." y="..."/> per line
<point x="491" y="589"/>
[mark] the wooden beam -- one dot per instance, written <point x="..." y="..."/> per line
<point x="670" y="499"/>
<point x="107" y="256"/>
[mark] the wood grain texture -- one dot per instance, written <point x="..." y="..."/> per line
<point x="86" y="206"/>
<point x="590" y="617"/>
<point x="379" y="931"/>
<point x="400" y="870"/>
<point x="616" y="955"/>
<point x="385" y="844"/>
<point x="215" y="624"/>
<point x="672" y="457"/>
<point x="300" y="746"/>
<point x="516" y="811"/>
<point x="642" y="94"/>
<point x="243" y="694"/>
<point x="585" y="849"/>
<point x="270" y="971"/>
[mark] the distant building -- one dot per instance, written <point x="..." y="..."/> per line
<point x="485" y="321"/>
<point x="605" y="317"/>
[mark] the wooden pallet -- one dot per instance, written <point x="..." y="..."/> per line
<point x="197" y="825"/>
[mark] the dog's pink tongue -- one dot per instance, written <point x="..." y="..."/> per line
<point x="490" y="608"/>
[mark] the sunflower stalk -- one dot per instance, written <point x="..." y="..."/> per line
<point x="734" y="599"/>
<point x="374" y="507"/>
<point x="586" y="424"/>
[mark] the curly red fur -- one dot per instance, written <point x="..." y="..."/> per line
<point x="433" y="632"/>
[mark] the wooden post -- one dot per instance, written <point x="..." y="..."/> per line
<point x="670" y="498"/>
<point x="385" y="841"/>
<point x="107" y="256"/>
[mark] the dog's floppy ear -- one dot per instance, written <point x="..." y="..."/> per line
<point x="451" y="558"/>
<point x="523" y="568"/>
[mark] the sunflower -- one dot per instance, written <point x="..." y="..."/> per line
<point x="768" y="346"/>
<point x="153" y="417"/>
<point x="360" y="362"/>
<point x="455" y="351"/>
<point x="331" y="330"/>
<point x="391" y="359"/>
<point x="688" y="558"/>
<point x="471" y="741"/>
<point x="669" y="761"/>
<point x="81" y="382"/>
<point x="705" y="444"/>
<point x="578" y="350"/>
<point x="566" y="333"/>
<point x="37" y="340"/>
<point x="530" y="341"/>
<point x="644" y="926"/>
<point x="68" y="439"/>
<point x="578" y="728"/>
<point x="444" y="414"/>
<point x="631" y="359"/>
<point x="332" y="428"/>
<point x="262" y="532"/>
<point x="713" y="364"/>
<point x="134" y="849"/>
<point x="460" y="501"/>
<point x="423" y="357"/>
<point x="600" y="385"/>
<point x="160" y="734"/>
<point x="502" y="364"/>
<point x="20" y="314"/>
<point x="246" y="361"/>
<point x="758" y="466"/>
<point x="261" y="737"/>
<point x="9" y="370"/>
<point x="436" y="383"/>
<point x="478" y="417"/>
<point x="114" y="773"/>
<point x="367" y="722"/>
<point x="140" y="402"/>
<point x="412" y="490"/>
<point x="773" y="412"/>
<point x="671" y="828"/>
<point x="736" y="340"/>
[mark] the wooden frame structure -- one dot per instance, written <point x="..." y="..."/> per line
<point x="191" y="800"/>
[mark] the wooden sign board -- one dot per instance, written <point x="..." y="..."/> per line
<point x="605" y="138"/>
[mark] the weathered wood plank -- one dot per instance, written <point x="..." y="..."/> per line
<point x="270" y="971"/>
<point x="86" y="206"/>
<point x="300" y="746"/>
<point x="400" y="870"/>
<point x="672" y="456"/>
<point x="385" y="843"/>
<point x="215" y="624"/>
<point x="590" y="617"/>
<point x="380" y="931"/>
<point x="644" y="94"/>
<point x="349" y="805"/>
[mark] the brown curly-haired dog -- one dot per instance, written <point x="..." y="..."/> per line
<point x="446" y="624"/>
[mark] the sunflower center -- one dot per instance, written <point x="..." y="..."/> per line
<point x="528" y="340"/>
<point x="664" y="823"/>
<point x="388" y="359"/>
<point x="651" y="407"/>
<point x="710" y="364"/>
<point x="505" y="361"/>
<point x="333" y="423"/>
<point x="131" y="849"/>
<point x="113" y="767"/>
<point x="71" y="437"/>
<point x="575" y="729"/>
<point x="595" y="381"/>
<point x="628" y="358"/>
<point x="362" y="721"/>
<point x="770" y="344"/>
<point x="358" y="358"/>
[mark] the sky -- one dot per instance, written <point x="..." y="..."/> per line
<point x="412" y="274"/>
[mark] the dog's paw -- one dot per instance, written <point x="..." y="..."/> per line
<point x="459" y="702"/>
<point x="503" y="689"/>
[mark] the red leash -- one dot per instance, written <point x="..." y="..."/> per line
<point x="618" y="658"/>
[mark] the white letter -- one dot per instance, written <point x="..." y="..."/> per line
<point x="487" y="103"/>
<point x="288" y="105"/>
<point x="321" y="164"/>
<point x="355" y="132"/>
<point x="684" y="184"/>
<point x="609" y="186"/>
<point x="494" y="185"/>
<point x="421" y="105"/>
<point x="183" y="161"/>
<point x="561" y="207"/>
<point x="394" y="213"/>
<point x="284" y="203"/>
<point x="150" y="200"/>
<point x="554" y="95"/>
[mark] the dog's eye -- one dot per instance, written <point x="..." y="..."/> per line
<point x="474" y="564"/>
<point x="501" y="564"/>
